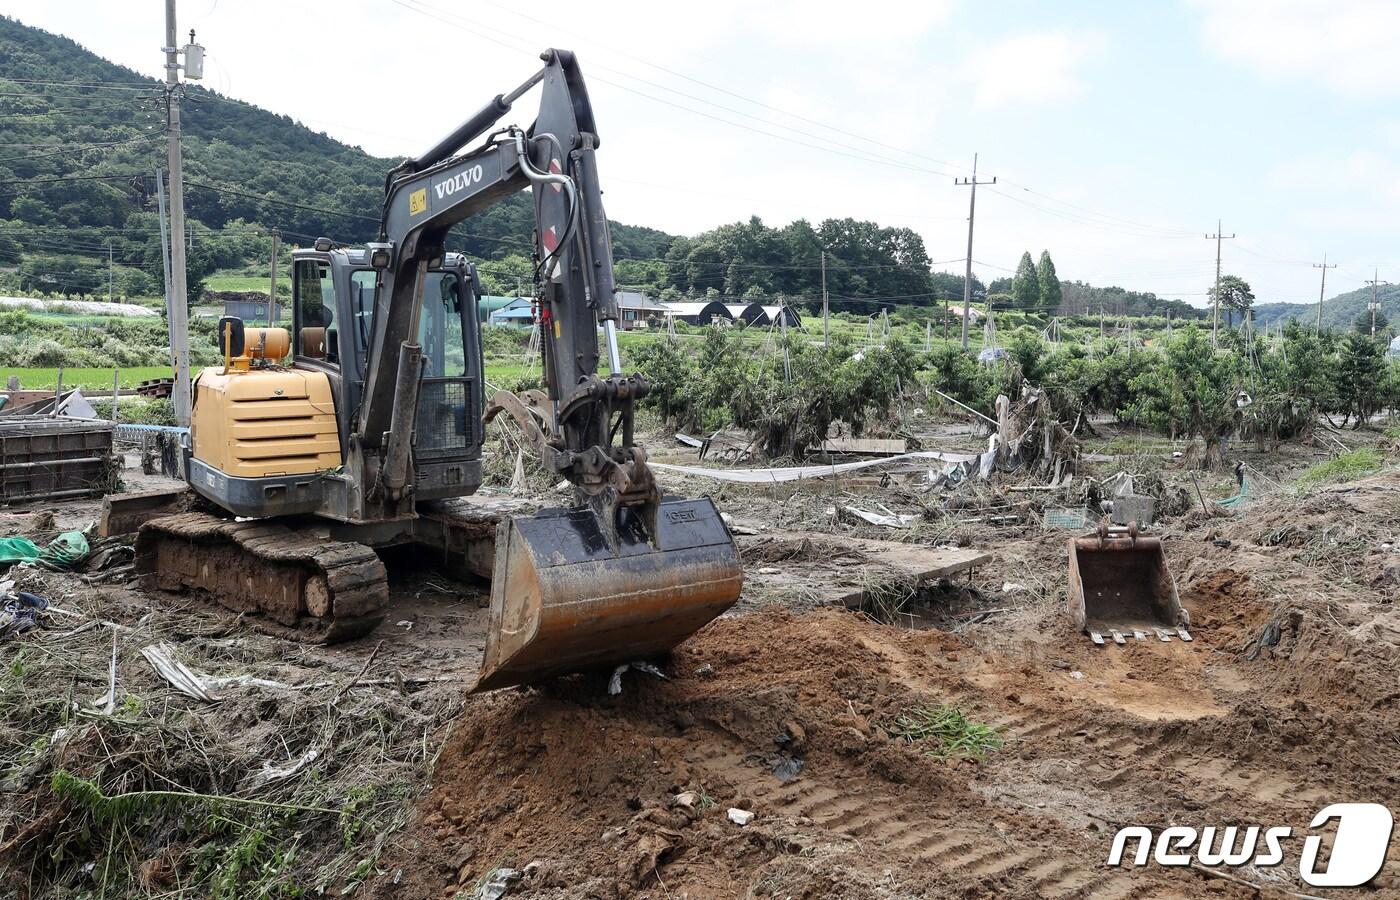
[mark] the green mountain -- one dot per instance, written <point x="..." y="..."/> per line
<point x="84" y="137"/>
<point x="1339" y="312"/>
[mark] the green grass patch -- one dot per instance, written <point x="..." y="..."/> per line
<point x="240" y="283"/>
<point x="1345" y="467"/>
<point x="72" y="319"/>
<point x="946" y="731"/>
<point x="40" y="379"/>
<point x="504" y="375"/>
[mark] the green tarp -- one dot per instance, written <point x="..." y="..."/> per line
<point x="68" y="548"/>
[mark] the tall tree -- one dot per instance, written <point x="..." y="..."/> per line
<point x="1025" y="287"/>
<point x="1049" y="282"/>
<point x="1360" y="377"/>
<point x="1235" y="295"/>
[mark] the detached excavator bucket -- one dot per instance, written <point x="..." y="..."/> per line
<point x="563" y="601"/>
<point x="1120" y="587"/>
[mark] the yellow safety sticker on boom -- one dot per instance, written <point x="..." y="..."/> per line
<point x="418" y="202"/>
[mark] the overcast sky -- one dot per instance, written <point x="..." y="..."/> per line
<point x="1118" y="132"/>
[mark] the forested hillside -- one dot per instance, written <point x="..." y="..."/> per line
<point x="1343" y="311"/>
<point x="84" y="137"/>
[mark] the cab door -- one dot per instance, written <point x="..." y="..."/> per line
<point x="449" y="394"/>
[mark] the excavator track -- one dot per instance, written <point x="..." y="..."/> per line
<point x="293" y="584"/>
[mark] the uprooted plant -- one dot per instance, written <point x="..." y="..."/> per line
<point x="946" y="732"/>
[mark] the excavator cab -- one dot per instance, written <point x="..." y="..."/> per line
<point x="333" y="312"/>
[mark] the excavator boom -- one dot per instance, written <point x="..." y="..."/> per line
<point x="378" y="420"/>
<point x="624" y="573"/>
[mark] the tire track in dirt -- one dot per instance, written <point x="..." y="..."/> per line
<point x="1160" y="742"/>
<point x="920" y="831"/>
<point x="1083" y="757"/>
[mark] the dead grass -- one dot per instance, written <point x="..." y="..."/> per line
<point x="169" y="797"/>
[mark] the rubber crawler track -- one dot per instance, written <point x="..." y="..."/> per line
<point x="298" y="585"/>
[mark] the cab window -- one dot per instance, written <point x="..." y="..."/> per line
<point x="313" y="298"/>
<point x="362" y="285"/>
<point x="440" y="327"/>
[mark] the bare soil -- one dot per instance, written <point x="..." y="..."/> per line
<point x="1287" y="699"/>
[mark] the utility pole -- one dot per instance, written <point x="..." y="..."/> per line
<point x="1375" y="303"/>
<point x="971" y="216"/>
<point x="1323" y="290"/>
<point x="1215" y="306"/>
<point x="826" y="306"/>
<point x="272" y="316"/>
<point x="179" y="302"/>
<point x="109" y="279"/>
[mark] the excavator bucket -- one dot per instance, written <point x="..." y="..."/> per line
<point x="1120" y="587"/>
<point x="562" y="600"/>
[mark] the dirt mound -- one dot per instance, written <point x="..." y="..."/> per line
<point x="786" y="716"/>
<point x="588" y="781"/>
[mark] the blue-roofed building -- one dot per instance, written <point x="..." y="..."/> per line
<point x="518" y="313"/>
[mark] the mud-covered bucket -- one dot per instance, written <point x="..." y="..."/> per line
<point x="563" y="601"/>
<point x="1119" y="582"/>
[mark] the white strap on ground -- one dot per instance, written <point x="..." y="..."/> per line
<point x="794" y="473"/>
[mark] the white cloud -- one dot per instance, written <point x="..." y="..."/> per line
<point x="835" y="23"/>
<point x="1030" y="68"/>
<point x="1346" y="44"/>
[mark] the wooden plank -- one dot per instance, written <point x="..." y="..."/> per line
<point x="842" y="580"/>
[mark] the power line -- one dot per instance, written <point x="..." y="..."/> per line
<point x="822" y="145"/>
<point x="734" y="94"/>
<point x="302" y="206"/>
<point x="971" y="219"/>
<point x="1323" y="290"/>
<point x="126" y="85"/>
<point x="1215" y="316"/>
<point x="80" y="148"/>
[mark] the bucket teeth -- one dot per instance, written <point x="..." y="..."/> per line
<point x="1121" y="586"/>
<point x="1184" y="634"/>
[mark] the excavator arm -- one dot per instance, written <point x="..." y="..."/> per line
<point x="625" y="573"/>
<point x="430" y="194"/>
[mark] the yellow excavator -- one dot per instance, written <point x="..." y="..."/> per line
<point x="360" y="427"/>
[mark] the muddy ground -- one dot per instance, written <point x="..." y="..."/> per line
<point x="1287" y="699"/>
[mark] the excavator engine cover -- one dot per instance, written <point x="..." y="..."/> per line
<point x="1119" y="584"/>
<point x="562" y="600"/>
